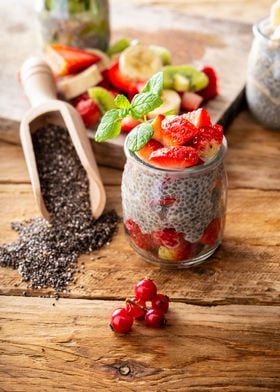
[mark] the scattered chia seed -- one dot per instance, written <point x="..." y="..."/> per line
<point x="46" y="254"/>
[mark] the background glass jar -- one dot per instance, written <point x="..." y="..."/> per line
<point x="174" y="218"/>
<point x="263" y="79"/>
<point x="79" y="23"/>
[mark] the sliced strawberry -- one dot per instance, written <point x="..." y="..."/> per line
<point x="211" y="90"/>
<point x="132" y="227"/>
<point x="156" y="124"/>
<point x="212" y="232"/>
<point x="164" y="201"/>
<point x="190" y="101"/>
<point x="89" y="112"/>
<point x="207" y="142"/>
<point x="66" y="60"/>
<point x="182" y="252"/>
<point x="144" y="241"/>
<point x="177" y="130"/>
<point x="169" y="238"/>
<point x="199" y="118"/>
<point x="128" y="123"/>
<point x="174" y="157"/>
<point x="121" y="82"/>
<point x="149" y="147"/>
<point x="82" y="97"/>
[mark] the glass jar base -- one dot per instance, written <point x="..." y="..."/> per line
<point x="182" y="264"/>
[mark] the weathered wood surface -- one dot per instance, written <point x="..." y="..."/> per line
<point x="69" y="347"/>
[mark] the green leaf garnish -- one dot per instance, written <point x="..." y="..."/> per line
<point x="122" y="102"/>
<point x="154" y="84"/>
<point x="139" y="136"/>
<point x="144" y="103"/>
<point x="109" y="127"/>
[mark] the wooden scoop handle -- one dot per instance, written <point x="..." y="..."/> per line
<point x="37" y="81"/>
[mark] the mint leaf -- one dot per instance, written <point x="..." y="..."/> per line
<point x="144" y="103"/>
<point x="109" y="127"/>
<point x="122" y="102"/>
<point x="139" y="136"/>
<point x="155" y="84"/>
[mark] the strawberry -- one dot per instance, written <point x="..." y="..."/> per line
<point x="207" y="142"/>
<point x="82" y="97"/>
<point x="199" y="118"/>
<point x="128" y="123"/>
<point x="149" y="147"/>
<point x="65" y="60"/>
<point x="177" y="130"/>
<point x="169" y="238"/>
<point x="164" y="201"/>
<point x="121" y="82"/>
<point x="211" y="90"/>
<point x="211" y="233"/>
<point x="190" y="101"/>
<point x="144" y="241"/>
<point x="175" y="157"/>
<point x="182" y="252"/>
<point x="156" y="124"/>
<point x="89" y="112"/>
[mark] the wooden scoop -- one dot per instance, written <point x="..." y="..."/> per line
<point x="39" y="86"/>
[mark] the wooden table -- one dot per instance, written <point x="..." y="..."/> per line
<point x="223" y="326"/>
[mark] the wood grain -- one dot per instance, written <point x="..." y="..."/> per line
<point x="70" y="347"/>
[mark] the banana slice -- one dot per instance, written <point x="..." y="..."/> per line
<point x="139" y="62"/>
<point x="72" y="86"/>
<point x="275" y="15"/>
<point x="171" y="104"/>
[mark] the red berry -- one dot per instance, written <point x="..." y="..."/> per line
<point x="190" y="101"/>
<point x="136" y="307"/>
<point x="121" y="82"/>
<point x="175" y="157"/>
<point x="155" y="318"/>
<point x="212" y="232"/>
<point x="177" y="130"/>
<point x="128" y="123"/>
<point x="145" y="290"/>
<point x="207" y="142"/>
<point x="210" y="91"/>
<point x="161" y="302"/>
<point x="89" y="112"/>
<point x="121" y="321"/>
<point x="149" y="147"/>
<point x="167" y="237"/>
<point x="144" y="241"/>
<point x="199" y="118"/>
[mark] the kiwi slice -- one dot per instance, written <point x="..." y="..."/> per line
<point x="118" y="46"/>
<point x="163" y="53"/>
<point x="102" y="97"/>
<point x="198" y="80"/>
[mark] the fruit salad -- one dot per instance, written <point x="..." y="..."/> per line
<point x="174" y="183"/>
<point x="90" y="79"/>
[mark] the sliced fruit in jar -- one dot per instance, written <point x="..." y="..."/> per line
<point x="208" y="141"/>
<point x="168" y="237"/>
<point x="139" y="62"/>
<point x="212" y="232"/>
<point x="142" y="240"/>
<point x="211" y="90"/>
<point x="128" y="123"/>
<point x="177" y="130"/>
<point x="89" y="112"/>
<point x="179" y="253"/>
<point x="121" y="82"/>
<point x="190" y="101"/>
<point x="102" y="97"/>
<point x="163" y="53"/>
<point x="199" y="118"/>
<point x="171" y="104"/>
<point x="198" y="80"/>
<point x="175" y="157"/>
<point x="72" y="86"/>
<point x="66" y="60"/>
<point x="149" y="147"/>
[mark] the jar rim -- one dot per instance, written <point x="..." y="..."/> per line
<point x="189" y="170"/>
<point x="257" y="30"/>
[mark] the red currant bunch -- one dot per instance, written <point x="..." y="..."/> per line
<point x="137" y="308"/>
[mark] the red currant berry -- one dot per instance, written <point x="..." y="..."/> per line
<point x="121" y="321"/>
<point x="161" y="302"/>
<point x="155" y="318"/>
<point x="146" y="290"/>
<point x="136" y="307"/>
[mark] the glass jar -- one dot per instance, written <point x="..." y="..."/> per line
<point x="174" y="218"/>
<point x="263" y="78"/>
<point x="79" y="23"/>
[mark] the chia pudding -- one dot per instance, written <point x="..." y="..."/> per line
<point x="177" y="203"/>
<point x="263" y="80"/>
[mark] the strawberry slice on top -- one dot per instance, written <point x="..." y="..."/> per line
<point x="208" y="141"/>
<point x="149" y="147"/>
<point x="177" y="130"/>
<point x="174" y="157"/>
<point x="199" y="118"/>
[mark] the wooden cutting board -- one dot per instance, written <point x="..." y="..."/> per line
<point x="195" y="40"/>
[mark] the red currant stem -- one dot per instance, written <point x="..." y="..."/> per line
<point x="129" y="301"/>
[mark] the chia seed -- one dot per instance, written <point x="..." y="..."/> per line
<point x="46" y="253"/>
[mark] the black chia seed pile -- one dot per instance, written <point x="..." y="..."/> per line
<point x="46" y="254"/>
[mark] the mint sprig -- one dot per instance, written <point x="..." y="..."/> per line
<point x="142" y="104"/>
